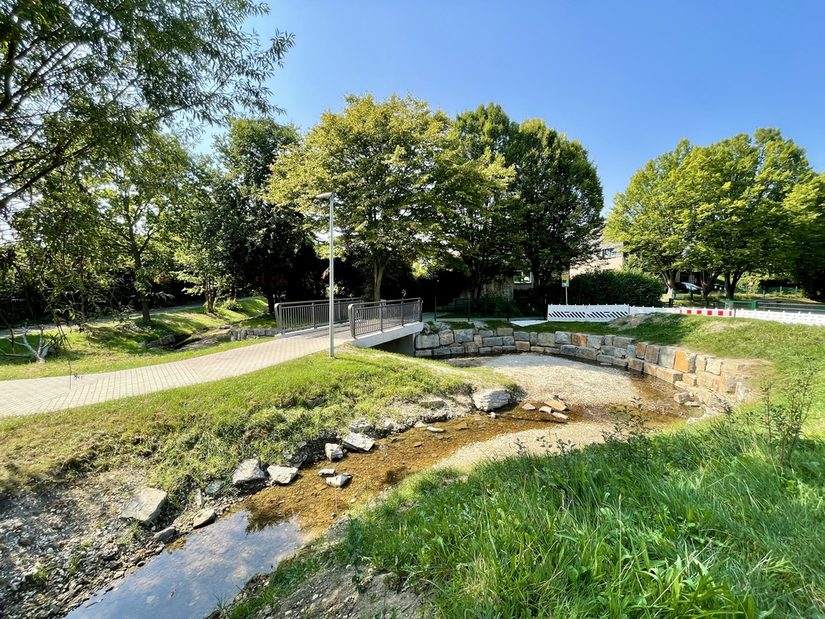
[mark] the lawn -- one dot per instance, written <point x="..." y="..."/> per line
<point x="116" y="345"/>
<point x="704" y="521"/>
<point x="185" y="437"/>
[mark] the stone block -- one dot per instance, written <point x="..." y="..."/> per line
<point x="583" y="352"/>
<point x="637" y="365"/>
<point x="521" y="336"/>
<point x="534" y="338"/>
<point x="485" y="350"/>
<point x="631" y="351"/>
<point x="669" y="375"/>
<point x="568" y="349"/>
<point x="608" y="350"/>
<point x="477" y="339"/>
<point x="504" y="331"/>
<point x="446" y="337"/>
<point x="666" y="356"/>
<point x="713" y="365"/>
<point x="497" y="350"/>
<point x="619" y="362"/>
<point x="485" y="332"/>
<point x="493" y="341"/>
<point x="563" y="337"/>
<point x="546" y="339"/>
<point x="441" y="351"/>
<point x="508" y="340"/>
<point x="538" y="349"/>
<point x="471" y="348"/>
<point x="424" y="353"/>
<point x="595" y="341"/>
<point x="579" y="339"/>
<point x="684" y="361"/>
<point x="506" y="349"/>
<point x="681" y="385"/>
<point x="707" y="380"/>
<point x="623" y="342"/>
<point x="427" y="341"/>
<point x="641" y="349"/>
<point x="728" y="382"/>
<point x="462" y="336"/>
<point x="701" y="361"/>
<point x="551" y="350"/>
<point x="689" y="378"/>
<point x="522" y="346"/>
<point x="682" y="398"/>
<point x="606" y="359"/>
<point x="608" y="340"/>
<point x="650" y="368"/>
<point x="458" y="349"/>
<point x="652" y="354"/>
<point x="743" y="392"/>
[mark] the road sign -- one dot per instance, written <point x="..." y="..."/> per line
<point x="565" y="279"/>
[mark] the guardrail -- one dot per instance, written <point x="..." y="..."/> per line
<point x="301" y="315"/>
<point x="377" y="316"/>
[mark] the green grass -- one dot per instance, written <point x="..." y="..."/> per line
<point x="185" y="437"/>
<point x="107" y="346"/>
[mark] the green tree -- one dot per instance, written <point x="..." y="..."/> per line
<point x="806" y="239"/>
<point x="479" y="235"/>
<point x="736" y="190"/>
<point x="559" y="200"/>
<point x="650" y="217"/>
<point x="84" y="79"/>
<point x="265" y="242"/>
<point x="380" y="158"/>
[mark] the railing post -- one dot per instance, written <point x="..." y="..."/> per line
<point x="278" y="321"/>
<point x="350" y="314"/>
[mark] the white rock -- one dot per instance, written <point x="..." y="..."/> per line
<point x="491" y="399"/>
<point x="559" y="417"/>
<point x="528" y="407"/>
<point x="682" y="397"/>
<point x="145" y="506"/>
<point x="165" y="535"/>
<point x="282" y="475"/>
<point x="358" y="442"/>
<point x="433" y="402"/>
<point x="203" y="518"/>
<point x="338" y="481"/>
<point x="556" y="405"/>
<point x="333" y="451"/>
<point x="326" y="472"/>
<point x="248" y="472"/>
<point x="435" y="430"/>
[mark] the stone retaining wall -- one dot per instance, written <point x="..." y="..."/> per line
<point x="705" y="377"/>
<point x="236" y="334"/>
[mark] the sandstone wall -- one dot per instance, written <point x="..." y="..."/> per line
<point x="705" y="377"/>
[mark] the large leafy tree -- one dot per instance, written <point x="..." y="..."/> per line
<point x="480" y="236"/>
<point x="559" y="200"/>
<point x="650" y="217"/>
<point x="805" y="240"/>
<point x="736" y="190"/>
<point x="380" y="158"/>
<point x="84" y="79"/>
<point x="265" y="242"/>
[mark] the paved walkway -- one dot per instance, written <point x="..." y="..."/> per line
<point x="40" y="395"/>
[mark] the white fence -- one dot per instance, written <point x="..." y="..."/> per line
<point x="606" y="313"/>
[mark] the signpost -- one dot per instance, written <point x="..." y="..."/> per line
<point x="565" y="282"/>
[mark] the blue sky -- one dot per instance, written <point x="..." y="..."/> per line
<point x="627" y="79"/>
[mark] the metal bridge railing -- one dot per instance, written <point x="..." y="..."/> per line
<point x="377" y="316"/>
<point x="300" y="315"/>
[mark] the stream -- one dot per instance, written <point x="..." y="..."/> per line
<point x="192" y="578"/>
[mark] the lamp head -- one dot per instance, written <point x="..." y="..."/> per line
<point x="325" y="196"/>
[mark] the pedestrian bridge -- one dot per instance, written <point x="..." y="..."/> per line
<point x="387" y="324"/>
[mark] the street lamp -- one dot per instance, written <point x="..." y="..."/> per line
<point x="331" y="196"/>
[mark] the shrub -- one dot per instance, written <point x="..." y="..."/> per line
<point x="615" y="287"/>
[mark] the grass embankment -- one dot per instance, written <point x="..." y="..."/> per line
<point x="701" y="522"/>
<point x="117" y="345"/>
<point x="188" y="436"/>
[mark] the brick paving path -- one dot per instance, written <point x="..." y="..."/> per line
<point x="40" y="395"/>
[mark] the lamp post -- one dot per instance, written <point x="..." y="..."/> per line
<point x="331" y="196"/>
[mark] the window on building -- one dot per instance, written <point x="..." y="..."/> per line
<point x="609" y="252"/>
<point x="523" y="277"/>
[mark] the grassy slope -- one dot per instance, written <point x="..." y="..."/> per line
<point x="187" y="436"/>
<point x="110" y="346"/>
<point x="696" y="523"/>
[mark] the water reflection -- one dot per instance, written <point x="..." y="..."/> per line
<point x="190" y="581"/>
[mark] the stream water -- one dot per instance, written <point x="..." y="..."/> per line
<point x="190" y="580"/>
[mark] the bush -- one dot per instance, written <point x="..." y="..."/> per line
<point x="615" y="287"/>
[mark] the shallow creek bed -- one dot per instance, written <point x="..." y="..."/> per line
<point x="195" y="574"/>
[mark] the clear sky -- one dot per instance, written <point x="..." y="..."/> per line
<point x="627" y="79"/>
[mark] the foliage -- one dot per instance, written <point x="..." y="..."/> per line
<point x="83" y="80"/>
<point x="559" y="202"/>
<point x="380" y="158"/>
<point x="615" y="287"/>
<point x="806" y="206"/>
<point x="783" y="420"/>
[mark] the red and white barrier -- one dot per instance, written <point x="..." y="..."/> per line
<point x="706" y="311"/>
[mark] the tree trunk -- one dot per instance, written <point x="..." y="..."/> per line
<point x="377" y="277"/>
<point x="669" y="275"/>
<point x="270" y="301"/>
<point x="731" y="281"/>
<point x="141" y="285"/>
<point x="146" y="315"/>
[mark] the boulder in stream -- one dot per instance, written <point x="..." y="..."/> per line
<point x="358" y="442"/>
<point x="338" y="481"/>
<point x="282" y="475"/>
<point x="248" y="472"/>
<point x="165" y="535"/>
<point x="491" y="399"/>
<point x="203" y="518"/>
